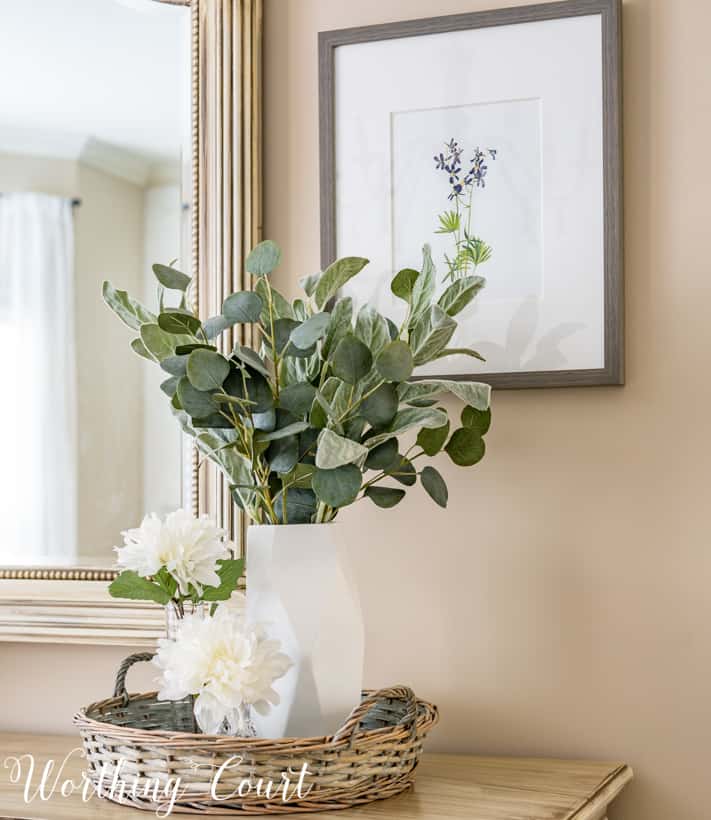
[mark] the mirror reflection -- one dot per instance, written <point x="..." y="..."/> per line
<point x="94" y="185"/>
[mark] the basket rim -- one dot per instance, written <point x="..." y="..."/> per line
<point x="427" y="717"/>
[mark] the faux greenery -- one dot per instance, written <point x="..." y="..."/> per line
<point x="312" y="420"/>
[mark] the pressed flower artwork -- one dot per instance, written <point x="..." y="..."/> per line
<point x="485" y="134"/>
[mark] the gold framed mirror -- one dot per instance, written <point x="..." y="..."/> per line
<point x="211" y="49"/>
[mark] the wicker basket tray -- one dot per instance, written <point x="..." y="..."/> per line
<point x="372" y="756"/>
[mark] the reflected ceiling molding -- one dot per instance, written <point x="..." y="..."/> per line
<point x="115" y="161"/>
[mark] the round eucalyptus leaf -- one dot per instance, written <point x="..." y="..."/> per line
<point x="175" y="365"/>
<point x="465" y="447"/>
<point x="307" y="334"/>
<point x="403" y="282"/>
<point x="244" y="306"/>
<point x="282" y="454"/>
<point x="171" y="278"/>
<point x="297" y="398"/>
<point x="207" y="370"/>
<point x="263" y="258"/>
<point x="403" y="471"/>
<point x="266" y="422"/>
<point x="169" y="386"/>
<point x="295" y="506"/>
<point x="157" y="341"/>
<point x="216" y="325"/>
<point x="179" y="322"/>
<point x="338" y="487"/>
<point x="383" y="456"/>
<point x="380" y="407"/>
<point x="352" y="360"/>
<point x="432" y="439"/>
<point x="395" y="361"/>
<point x="385" y="497"/>
<point x="435" y="485"/>
<point x="197" y="404"/>
<point x="479" y="420"/>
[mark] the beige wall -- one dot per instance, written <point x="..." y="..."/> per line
<point x="561" y="604"/>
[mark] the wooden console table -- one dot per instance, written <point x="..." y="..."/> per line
<point x="447" y="787"/>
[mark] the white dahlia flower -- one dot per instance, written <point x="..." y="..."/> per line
<point x="188" y="547"/>
<point x="225" y="662"/>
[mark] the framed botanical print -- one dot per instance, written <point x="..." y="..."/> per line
<point x="494" y="138"/>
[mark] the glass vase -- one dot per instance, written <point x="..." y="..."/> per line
<point x="175" y="612"/>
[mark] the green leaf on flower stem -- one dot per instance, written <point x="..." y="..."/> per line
<point x="282" y="338"/>
<point x="424" y="287"/>
<point x="157" y="341"/>
<point x="431" y="334"/>
<point x="299" y="476"/>
<point x="251" y="358"/>
<point x="458" y="351"/>
<point x="479" y="420"/>
<point x="372" y="329"/>
<point x="283" y="432"/>
<point x="385" y="497"/>
<point x="169" y="386"/>
<point x="230" y="571"/>
<point x="218" y="445"/>
<point x="335" y="451"/>
<point x="460" y="293"/>
<point x="179" y="322"/>
<point x="207" y="370"/>
<point x="295" y="506"/>
<point x="403" y="283"/>
<point x="352" y="360"/>
<point x="215" y="325"/>
<point x="449" y="222"/>
<point x="380" y="407"/>
<point x="282" y="454"/>
<point x="335" y="277"/>
<point x="473" y="393"/>
<point x="383" y="456"/>
<point x="171" y="278"/>
<point x="297" y="398"/>
<point x="403" y="471"/>
<point x="263" y="258"/>
<point x="138" y="347"/>
<point x="405" y="420"/>
<point x="245" y="306"/>
<point x="341" y="319"/>
<point x="337" y="487"/>
<point x="129" y="311"/>
<point x="301" y="312"/>
<point x="432" y="440"/>
<point x="395" y="361"/>
<point x="130" y="584"/>
<point x="198" y="404"/>
<point x="466" y="447"/>
<point x="308" y="283"/>
<point x="281" y="308"/>
<point x="307" y="334"/>
<point x="418" y="395"/>
<point x="175" y="365"/>
<point x="434" y="485"/>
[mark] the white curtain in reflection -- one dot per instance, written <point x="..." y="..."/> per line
<point x="38" y="505"/>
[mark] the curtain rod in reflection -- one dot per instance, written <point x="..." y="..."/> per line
<point x="75" y="201"/>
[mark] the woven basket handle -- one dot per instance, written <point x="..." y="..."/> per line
<point x="120" y="687"/>
<point x="409" y="720"/>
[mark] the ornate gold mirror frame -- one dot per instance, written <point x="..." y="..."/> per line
<point x="72" y="604"/>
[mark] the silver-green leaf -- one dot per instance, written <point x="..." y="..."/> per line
<point x="334" y="451"/>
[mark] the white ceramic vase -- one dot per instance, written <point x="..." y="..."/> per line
<point x="301" y="586"/>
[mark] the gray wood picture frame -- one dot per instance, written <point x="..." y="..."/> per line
<point x="610" y="10"/>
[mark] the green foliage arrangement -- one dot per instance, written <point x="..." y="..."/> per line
<point x="311" y="421"/>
